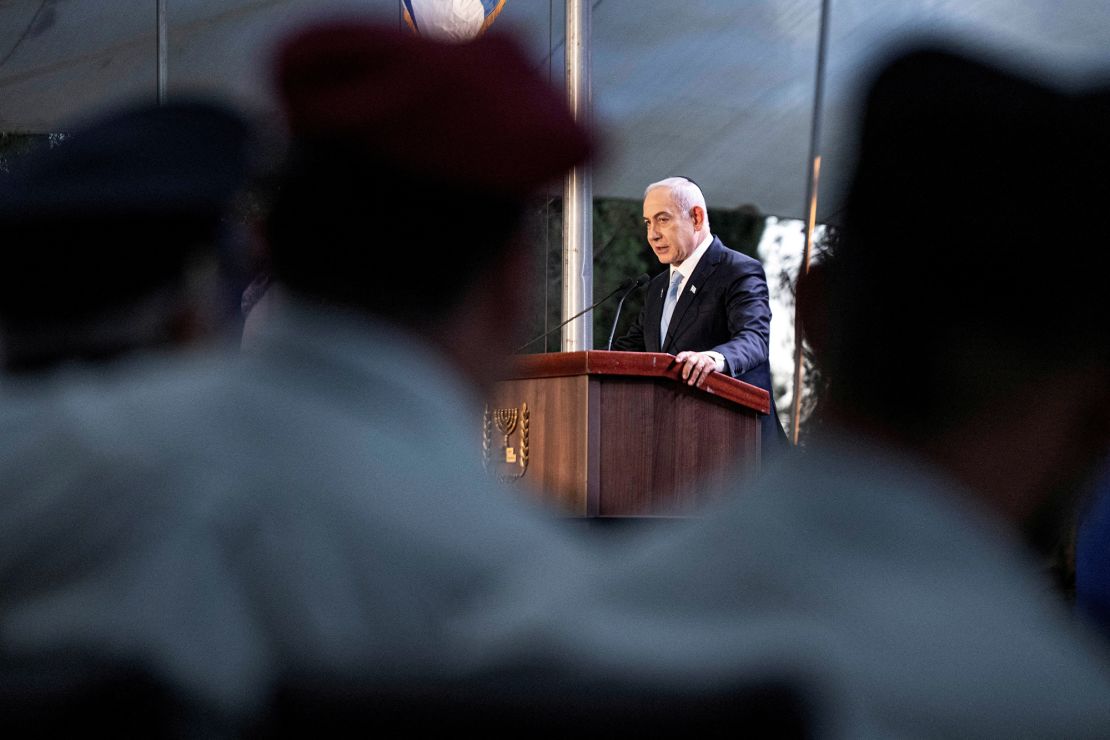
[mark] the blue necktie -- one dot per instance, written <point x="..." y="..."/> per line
<point x="668" y="306"/>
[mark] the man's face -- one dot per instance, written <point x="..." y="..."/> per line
<point x="671" y="234"/>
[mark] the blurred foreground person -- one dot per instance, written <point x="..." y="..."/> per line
<point x="1092" y="557"/>
<point x="297" y="538"/>
<point x="115" y="240"/>
<point x="967" y="397"/>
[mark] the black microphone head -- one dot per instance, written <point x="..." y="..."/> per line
<point x="633" y="283"/>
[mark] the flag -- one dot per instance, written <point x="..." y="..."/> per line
<point x="451" y="20"/>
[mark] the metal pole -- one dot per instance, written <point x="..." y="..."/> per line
<point x="811" y="203"/>
<point x="163" y="50"/>
<point x="578" y="252"/>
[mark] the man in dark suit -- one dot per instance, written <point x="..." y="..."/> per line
<point x="710" y="307"/>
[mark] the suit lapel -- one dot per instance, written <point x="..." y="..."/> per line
<point x="692" y="291"/>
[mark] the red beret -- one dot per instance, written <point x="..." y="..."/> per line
<point x="474" y="113"/>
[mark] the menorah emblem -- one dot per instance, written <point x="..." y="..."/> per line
<point x="506" y="419"/>
<point x="507" y="422"/>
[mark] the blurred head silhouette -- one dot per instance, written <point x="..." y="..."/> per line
<point x="961" y="314"/>
<point x="114" y="240"/>
<point x="412" y="164"/>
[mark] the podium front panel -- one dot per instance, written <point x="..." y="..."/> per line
<point x="618" y="445"/>
<point x="667" y="450"/>
<point x="562" y="466"/>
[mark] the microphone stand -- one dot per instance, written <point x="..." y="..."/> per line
<point x="635" y="283"/>
<point x="620" y="304"/>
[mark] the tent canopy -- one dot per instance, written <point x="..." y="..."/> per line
<point x="717" y="90"/>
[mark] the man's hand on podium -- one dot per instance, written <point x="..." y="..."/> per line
<point x="698" y="365"/>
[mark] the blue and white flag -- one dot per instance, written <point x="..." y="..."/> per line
<point x="451" y="20"/>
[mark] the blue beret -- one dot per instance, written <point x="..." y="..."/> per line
<point x="182" y="158"/>
<point x="118" y="208"/>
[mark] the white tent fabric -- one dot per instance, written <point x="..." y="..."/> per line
<point x="718" y="90"/>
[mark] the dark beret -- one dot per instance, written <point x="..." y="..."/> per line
<point x="181" y="159"/>
<point x="117" y="208"/>
<point x="474" y="113"/>
<point x="967" y="247"/>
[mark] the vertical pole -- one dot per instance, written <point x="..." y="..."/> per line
<point x="163" y="50"/>
<point x="549" y="197"/>
<point x="811" y="203"/>
<point x="578" y="257"/>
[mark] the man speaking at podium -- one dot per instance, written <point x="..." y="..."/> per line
<point x="710" y="307"/>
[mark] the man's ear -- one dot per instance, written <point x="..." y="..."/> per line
<point x="697" y="215"/>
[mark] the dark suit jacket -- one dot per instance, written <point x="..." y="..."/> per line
<point x="724" y="308"/>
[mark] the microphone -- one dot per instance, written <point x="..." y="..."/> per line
<point x="627" y="285"/>
<point x="639" y="283"/>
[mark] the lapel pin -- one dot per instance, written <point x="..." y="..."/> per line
<point x="693" y="289"/>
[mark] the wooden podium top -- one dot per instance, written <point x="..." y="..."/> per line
<point x="634" y="364"/>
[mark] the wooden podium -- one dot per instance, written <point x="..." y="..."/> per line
<point x="618" y="434"/>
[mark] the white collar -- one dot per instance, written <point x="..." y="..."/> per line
<point x="690" y="263"/>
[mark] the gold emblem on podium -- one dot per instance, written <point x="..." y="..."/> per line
<point x="508" y="462"/>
